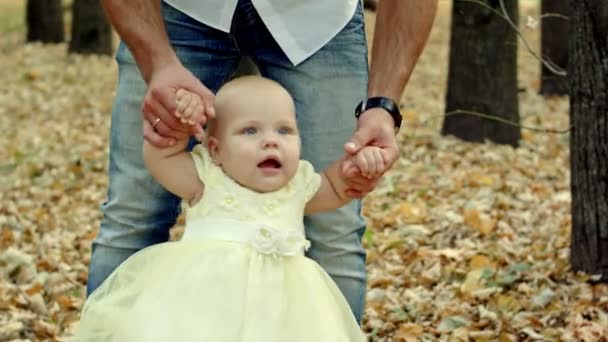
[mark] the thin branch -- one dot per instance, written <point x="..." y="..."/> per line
<point x="553" y="15"/>
<point x="505" y="121"/>
<point x="552" y="67"/>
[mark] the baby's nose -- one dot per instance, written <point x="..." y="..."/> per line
<point x="271" y="140"/>
<point x="271" y="143"/>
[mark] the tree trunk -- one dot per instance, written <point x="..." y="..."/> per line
<point x="553" y="46"/>
<point x="482" y="73"/>
<point x="588" y="73"/>
<point x="44" y="20"/>
<point x="91" y="31"/>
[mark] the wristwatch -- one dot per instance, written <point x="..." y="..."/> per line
<point x="384" y="103"/>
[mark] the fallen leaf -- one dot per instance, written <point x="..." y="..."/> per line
<point x="478" y="221"/>
<point x="408" y="332"/>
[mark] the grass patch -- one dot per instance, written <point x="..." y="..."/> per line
<point x="12" y="15"/>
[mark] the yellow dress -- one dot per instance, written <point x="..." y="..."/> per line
<point x="238" y="274"/>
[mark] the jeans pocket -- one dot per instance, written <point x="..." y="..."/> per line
<point x="355" y="28"/>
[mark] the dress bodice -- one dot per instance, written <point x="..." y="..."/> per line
<point x="226" y="201"/>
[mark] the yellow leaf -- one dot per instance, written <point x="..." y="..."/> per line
<point x="408" y="332"/>
<point x="527" y="136"/>
<point x="506" y="337"/>
<point x="478" y="178"/>
<point x="472" y="218"/>
<point x="411" y="117"/>
<point x="478" y="221"/>
<point x="481" y="261"/>
<point x="507" y="303"/>
<point x="390" y="244"/>
<point x="460" y="335"/>
<point x="33" y="74"/>
<point x="472" y="282"/>
<point x="413" y="213"/>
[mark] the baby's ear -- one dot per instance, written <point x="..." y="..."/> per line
<point x="213" y="146"/>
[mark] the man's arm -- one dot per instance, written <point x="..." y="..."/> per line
<point x="401" y="31"/>
<point x="140" y="24"/>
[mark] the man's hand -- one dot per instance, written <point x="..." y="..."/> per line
<point x="375" y="127"/>
<point x="162" y="125"/>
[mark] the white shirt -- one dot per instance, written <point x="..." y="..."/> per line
<point x="300" y="27"/>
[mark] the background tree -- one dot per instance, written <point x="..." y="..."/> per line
<point x="91" y="31"/>
<point x="44" y="19"/>
<point x="588" y="73"/>
<point x="482" y="74"/>
<point x="554" y="27"/>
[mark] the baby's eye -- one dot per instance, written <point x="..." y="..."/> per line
<point x="250" y="131"/>
<point x="285" y="130"/>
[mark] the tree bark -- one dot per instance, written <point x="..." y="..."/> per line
<point x="91" y="31"/>
<point x="588" y="71"/>
<point x="44" y="20"/>
<point x="482" y="73"/>
<point x="553" y="46"/>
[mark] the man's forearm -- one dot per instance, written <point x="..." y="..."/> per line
<point x="140" y="25"/>
<point x="401" y="31"/>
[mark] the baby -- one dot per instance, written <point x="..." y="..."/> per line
<point x="239" y="272"/>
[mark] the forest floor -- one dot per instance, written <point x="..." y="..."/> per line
<point x="466" y="242"/>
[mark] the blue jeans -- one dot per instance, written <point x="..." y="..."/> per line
<point x="326" y="87"/>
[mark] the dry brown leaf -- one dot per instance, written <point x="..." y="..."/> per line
<point x="65" y="302"/>
<point x="34" y="289"/>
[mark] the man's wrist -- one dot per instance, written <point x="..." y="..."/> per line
<point x="151" y="63"/>
<point x="383" y="103"/>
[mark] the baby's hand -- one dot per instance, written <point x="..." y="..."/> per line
<point x="190" y="110"/>
<point x="190" y="107"/>
<point x="371" y="160"/>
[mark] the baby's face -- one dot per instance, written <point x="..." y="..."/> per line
<point x="258" y="144"/>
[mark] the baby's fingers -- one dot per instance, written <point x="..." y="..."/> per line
<point x="190" y="111"/>
<point x="378" y="168"/>
<point x="199" y="115"/>
<point x="364" y="162"/>
<point x="182" y="101"/>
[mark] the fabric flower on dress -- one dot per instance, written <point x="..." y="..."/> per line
<point x="273" y="241"/>
<point x="293" y="243"/>
<point x="271" y="207"/>
<point x="229" y="201"/>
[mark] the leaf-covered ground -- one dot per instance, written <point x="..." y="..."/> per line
<point x="466" y="242"/>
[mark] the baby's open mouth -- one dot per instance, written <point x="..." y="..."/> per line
<point x="271" y="163"/>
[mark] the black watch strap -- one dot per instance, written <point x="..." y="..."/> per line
<point x="381" y="102"/>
